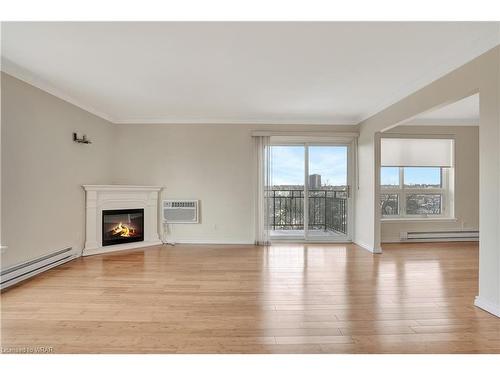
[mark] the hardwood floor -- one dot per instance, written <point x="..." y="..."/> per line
<point x="416" y="298"/>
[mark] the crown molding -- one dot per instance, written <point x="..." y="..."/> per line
<point x="479" y="46"/>
<point x="442" y="122"/>
<point x="235" y="121"/>
<point x="30" y="78"/>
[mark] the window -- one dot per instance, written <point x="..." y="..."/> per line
<point x="416" y="177"/>
<point x="415" y="192"/>
<point x="423" y="204"/>
<point x="389" y="177"/>
<point x="422" y="178"/>
<point x="389" y="203"/>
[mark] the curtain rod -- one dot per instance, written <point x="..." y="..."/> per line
<point x="263" y="133"/>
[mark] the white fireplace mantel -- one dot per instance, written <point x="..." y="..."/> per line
<point x="115" y="197"/>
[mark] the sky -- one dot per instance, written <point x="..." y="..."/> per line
<point x="413" y="176"/>
<point x="328" y="161"/>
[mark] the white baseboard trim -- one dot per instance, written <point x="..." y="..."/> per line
<point x="113" y="248"/>
<point x="213" y="242"/>
<point x="368" y="248"/>
<point x="392" y="240"/>
<point x="275" y="241"/>
<point x="487" y="306"/>
<point x="310" y="241"/>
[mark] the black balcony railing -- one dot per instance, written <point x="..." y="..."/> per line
<point x="327" y="210"/>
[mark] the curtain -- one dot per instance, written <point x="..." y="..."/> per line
<point x="264" y="190"/>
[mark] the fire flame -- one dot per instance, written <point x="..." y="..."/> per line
<point x="122" y="230"/>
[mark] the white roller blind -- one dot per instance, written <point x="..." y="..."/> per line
<point x="413" y="152"/>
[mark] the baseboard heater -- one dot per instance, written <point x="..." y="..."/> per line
<point x="23" y="271"/>
<point x="453" y="235"/>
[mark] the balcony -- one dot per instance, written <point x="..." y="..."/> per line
<point x="327" y="212"/>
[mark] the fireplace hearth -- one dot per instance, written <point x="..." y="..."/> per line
<point x="122" y="226"/>
<point x="104" y="202"/>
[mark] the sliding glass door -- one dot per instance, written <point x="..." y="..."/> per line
<point x="288" y="191"/>
<point x="327" y="191"/>
<point x="319" y="172"/>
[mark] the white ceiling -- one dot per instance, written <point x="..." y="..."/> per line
<point x="463" y="112"/>
<point x="253" y="72"/>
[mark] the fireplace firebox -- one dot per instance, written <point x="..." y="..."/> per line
<point x="122" y="226"/>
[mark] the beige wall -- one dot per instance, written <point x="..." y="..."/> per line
<point x="43" y="170"/>
<point x="213" y="163"/>
<point x="365" y="203"/>
<point x="479" y="75"/>
<point x="466" y="191"/>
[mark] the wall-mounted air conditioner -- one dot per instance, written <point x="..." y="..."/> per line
<point x="180" y="211"/>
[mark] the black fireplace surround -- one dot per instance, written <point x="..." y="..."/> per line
<point x="122" y="226"/>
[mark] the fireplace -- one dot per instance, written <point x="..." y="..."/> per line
<point x="122" y="226"/>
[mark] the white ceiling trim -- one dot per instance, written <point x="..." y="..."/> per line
<point x="482" y="44"/>
<point x="24" y="75"/>
<point x="27" y="76"/>
<point x="237" y="121"/>
<point x="30" y="78"/>
<point x="443" y="122"/>
<point x="278" y="133"/>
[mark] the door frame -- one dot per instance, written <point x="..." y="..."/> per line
<point x="350" y="143"/>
